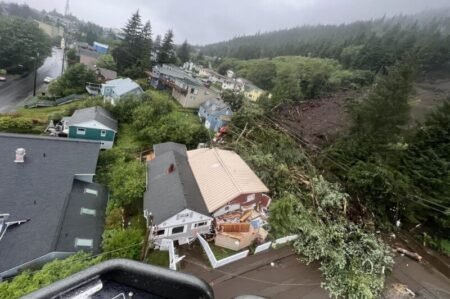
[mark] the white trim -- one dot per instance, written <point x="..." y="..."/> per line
<point x="174" y="234"/>
<point x="91" y="191"/>
<point x="80" y="242"/>
<point x="81" y="131"/>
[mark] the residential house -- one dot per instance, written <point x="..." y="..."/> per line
<point x="164" y="76"/>
<point x="191" y="92"/>
<point x="173" y="205"/>
<point x="50" y="207"/>
<point x="215" y="114"/>
<point x="252" y="92"/>
<point x="88" y="57"/>
<point x="100" y="48"/>
<point x="94" y="123"/>
<point x="112" y="91"/>
<point x="185" y="189"/>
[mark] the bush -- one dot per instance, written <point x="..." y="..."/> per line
<point x="123" y="243"/>
<point x="12" y="124"/>
<point x="28" y="281"/>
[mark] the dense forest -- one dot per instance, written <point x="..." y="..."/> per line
<point x="368" y="45"/>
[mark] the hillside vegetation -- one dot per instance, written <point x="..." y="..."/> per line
<point x="297" y="77"/>
<point x="369" y="45"/>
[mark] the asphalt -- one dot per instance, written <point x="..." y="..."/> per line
<point x="14" y="91"/>
<point x="279" y="274"/>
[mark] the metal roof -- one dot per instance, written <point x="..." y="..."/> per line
<point x="96" y="113"/>
<point x="38" y="189"/>
<point x="215" y="107"/>
<point x="123" y="85"/>
<point x="222" y="176"/>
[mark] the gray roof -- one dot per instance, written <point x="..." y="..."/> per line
<point x="161" y="148"/>
<point x="78" y="225"/>
<point x="215" y="107"/>
<point x="170" y="193"/>
<point x="38" y="189"/>
<point x="96" y="113"/>
<point x="123" y="86"/>
<point x="90" y="53"/>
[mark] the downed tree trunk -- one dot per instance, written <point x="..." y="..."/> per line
<point x="412" y="255"/>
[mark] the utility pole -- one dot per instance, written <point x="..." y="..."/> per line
<point x="67" y="10"/>
<point x="35" y="73"/>
<point x="63" y="47"/>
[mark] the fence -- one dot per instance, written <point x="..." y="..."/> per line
<point x="167" y="245"/>
<point x="263" y="247"/>
<point x="219" y="263"/>
<point x="284" y="240"/>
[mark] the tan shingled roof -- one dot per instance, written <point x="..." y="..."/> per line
<point x="222" y="176"/>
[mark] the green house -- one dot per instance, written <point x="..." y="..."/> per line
<point x="93" y="123"/>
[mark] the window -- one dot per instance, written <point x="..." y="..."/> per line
<point x="250" y="197"/>
<point x="84" y="242"/>
<point x="91" y="191"/>
<point x="81" y="131"/>
<point x="103" y="133"/>
<point x="161" y="232"/>
<point x="200" y="224"/>
<point x="178" y="230"/>
<point x="84" y="211"/>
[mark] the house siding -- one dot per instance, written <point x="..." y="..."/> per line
<point x="93" y="134"/>
<point x="187" y="222"/>
<point x="191" y="100"/>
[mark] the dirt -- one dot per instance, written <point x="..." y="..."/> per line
<point x="317" y="120"/>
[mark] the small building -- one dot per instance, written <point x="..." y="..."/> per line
<point x="50" y="208"/>
<point x="173" y="204"/>
<point x="94" y="123"/>
<point x="114" y="90"/>
<point x="215" y="114"/>
<point x="88" y="57"/>
<point x="101" y="48"/>
<point x="164" y="76"/>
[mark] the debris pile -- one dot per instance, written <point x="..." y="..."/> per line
<point x="241" y="228"/>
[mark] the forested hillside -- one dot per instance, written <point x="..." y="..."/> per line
<point x="368" y="45"/>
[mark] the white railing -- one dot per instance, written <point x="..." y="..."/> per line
<point x="263" y="247"/>
<point x="174" y="259"/>
<point x="219" y="263"/>
<point x="284" y="240"/>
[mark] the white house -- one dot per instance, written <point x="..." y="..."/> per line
<point x="173" y="205"/>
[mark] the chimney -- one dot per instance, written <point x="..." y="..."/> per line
<point x="171" y="169"/>
<point x="20" y="155"/>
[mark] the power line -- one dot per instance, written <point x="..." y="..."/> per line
<point x="233" y="275"/>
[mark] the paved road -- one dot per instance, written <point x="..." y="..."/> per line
<point x="15" y="91"/>
<point x="289" y="278"/>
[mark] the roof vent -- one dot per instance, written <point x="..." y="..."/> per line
<point x="20" y="155"/>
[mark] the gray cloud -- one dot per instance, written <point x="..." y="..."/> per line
<point x="206" y="21"/>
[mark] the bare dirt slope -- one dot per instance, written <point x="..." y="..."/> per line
<point x="318" y="121"/>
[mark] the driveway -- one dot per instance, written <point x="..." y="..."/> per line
<point x="15" y="91"/>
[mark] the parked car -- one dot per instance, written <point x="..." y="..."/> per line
<point x="48" y="79"/>
<point x="2" y="79"/>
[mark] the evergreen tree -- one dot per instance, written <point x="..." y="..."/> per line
<point x="147" y="45"/>
<point x="157" y="43"/>
<point x="166" y="53"/>
<point x="386" y="109"/>
<point x="184" y="52"/>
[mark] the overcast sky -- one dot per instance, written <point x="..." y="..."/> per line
<point x="207" y="21"/>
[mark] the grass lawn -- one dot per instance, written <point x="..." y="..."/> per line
<point x="221" y="252"/>
<point x="127" y="138"/>
<point x="158" y="258"/>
